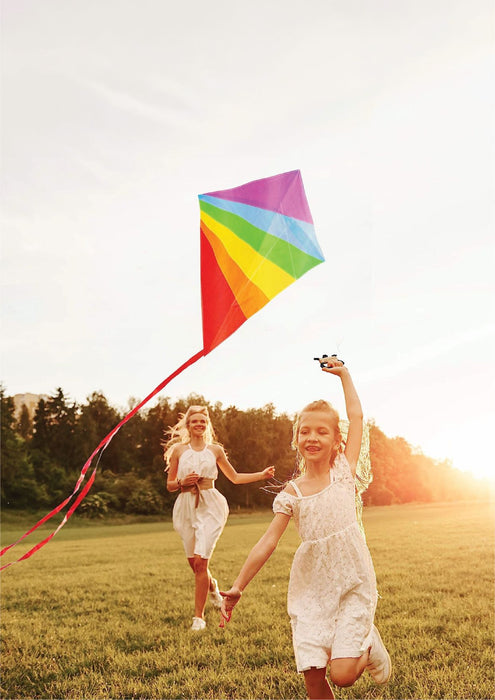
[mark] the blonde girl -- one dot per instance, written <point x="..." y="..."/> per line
<point x="200" y="512"/>
<point x="332" y="589"/>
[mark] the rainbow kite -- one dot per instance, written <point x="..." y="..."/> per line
<point x="256" y="240"/>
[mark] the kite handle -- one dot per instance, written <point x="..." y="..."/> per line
<point x="322" y="362"/>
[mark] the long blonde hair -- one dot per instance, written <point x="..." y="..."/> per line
<point x="179" y="433"/>
<point x="319" y="405"/>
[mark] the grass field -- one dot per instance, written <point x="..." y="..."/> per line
<point x="103" y="612"/>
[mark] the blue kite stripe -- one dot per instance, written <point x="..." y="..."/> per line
<point x="299" y="233"/>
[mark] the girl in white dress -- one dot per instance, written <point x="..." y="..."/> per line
<point x="200" y="511"/>
<point x="332" y="588"/>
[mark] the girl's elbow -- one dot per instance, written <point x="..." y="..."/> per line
<point x="270" y="545"/>
<point x="262" y="552"/>
<point x="356" y="416"/>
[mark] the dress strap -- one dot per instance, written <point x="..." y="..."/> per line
<point x="296" y="488"/>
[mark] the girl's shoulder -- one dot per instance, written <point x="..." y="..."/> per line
<point x="285" y="501"/>
<point x="293" y="488"/>
<point x="216" y="449"/>
<point x="179" y="449"/>
<point x="290" y="489"/>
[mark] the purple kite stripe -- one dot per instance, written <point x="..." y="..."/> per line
<point x="282" y="193"/>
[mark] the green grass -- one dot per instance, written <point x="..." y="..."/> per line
<point x="103" y="612"/>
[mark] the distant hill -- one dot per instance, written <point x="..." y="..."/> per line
<point x="29" y="400"/>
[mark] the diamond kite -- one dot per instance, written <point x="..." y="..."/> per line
<point x="256" y="240"/>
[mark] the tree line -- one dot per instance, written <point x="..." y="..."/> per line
<point x="42" y="456"/>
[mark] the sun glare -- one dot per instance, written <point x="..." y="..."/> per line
<point x="469" y="450"/>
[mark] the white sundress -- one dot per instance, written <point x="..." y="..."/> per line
<point x="332" y="588"/>
<point x="199" y="527"/>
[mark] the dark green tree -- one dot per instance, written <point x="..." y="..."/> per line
<point x="54" y="431"/>
<point x="25" y="423"/>
<point x="19" y="488"/>
<point x="95" y="420"/>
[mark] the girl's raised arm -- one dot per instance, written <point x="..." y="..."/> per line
<point x="354" y="412"/>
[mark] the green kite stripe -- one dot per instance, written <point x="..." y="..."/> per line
<point x="289" y="258"/>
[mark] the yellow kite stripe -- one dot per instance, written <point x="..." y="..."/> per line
<point x="270" y="278"/>
<point x="248" y="296"/>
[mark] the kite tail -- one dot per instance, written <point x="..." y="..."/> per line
<point x="101" y="447"/>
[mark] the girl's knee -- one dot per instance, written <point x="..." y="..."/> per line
<point x="343" y="672"/>
<point x="200" y="565"/>
<point x="343" y="680"/>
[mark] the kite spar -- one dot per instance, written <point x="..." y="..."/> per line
<point x="256" y="240"/>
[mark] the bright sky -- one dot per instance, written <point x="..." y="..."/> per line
<point x="117" y="114"/>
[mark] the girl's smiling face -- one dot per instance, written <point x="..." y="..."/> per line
<point x="316" y="436"/>
<point x="197" y="424"/>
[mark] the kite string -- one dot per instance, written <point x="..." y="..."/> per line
<point x="101" y="447"/>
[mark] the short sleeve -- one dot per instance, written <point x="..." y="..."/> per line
<point x="282" y="503"/>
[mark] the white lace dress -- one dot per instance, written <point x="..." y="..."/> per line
<point x="199" y="527"/>
<point x="332" y="589"/>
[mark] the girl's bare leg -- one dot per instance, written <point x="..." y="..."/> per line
<point x="192" y="564"/>
<point x="317" y="686"/>
<point x="345" y="672"/>
<point x="202" y="581"/>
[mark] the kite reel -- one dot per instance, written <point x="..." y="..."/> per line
<point x="323" y="363"/>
